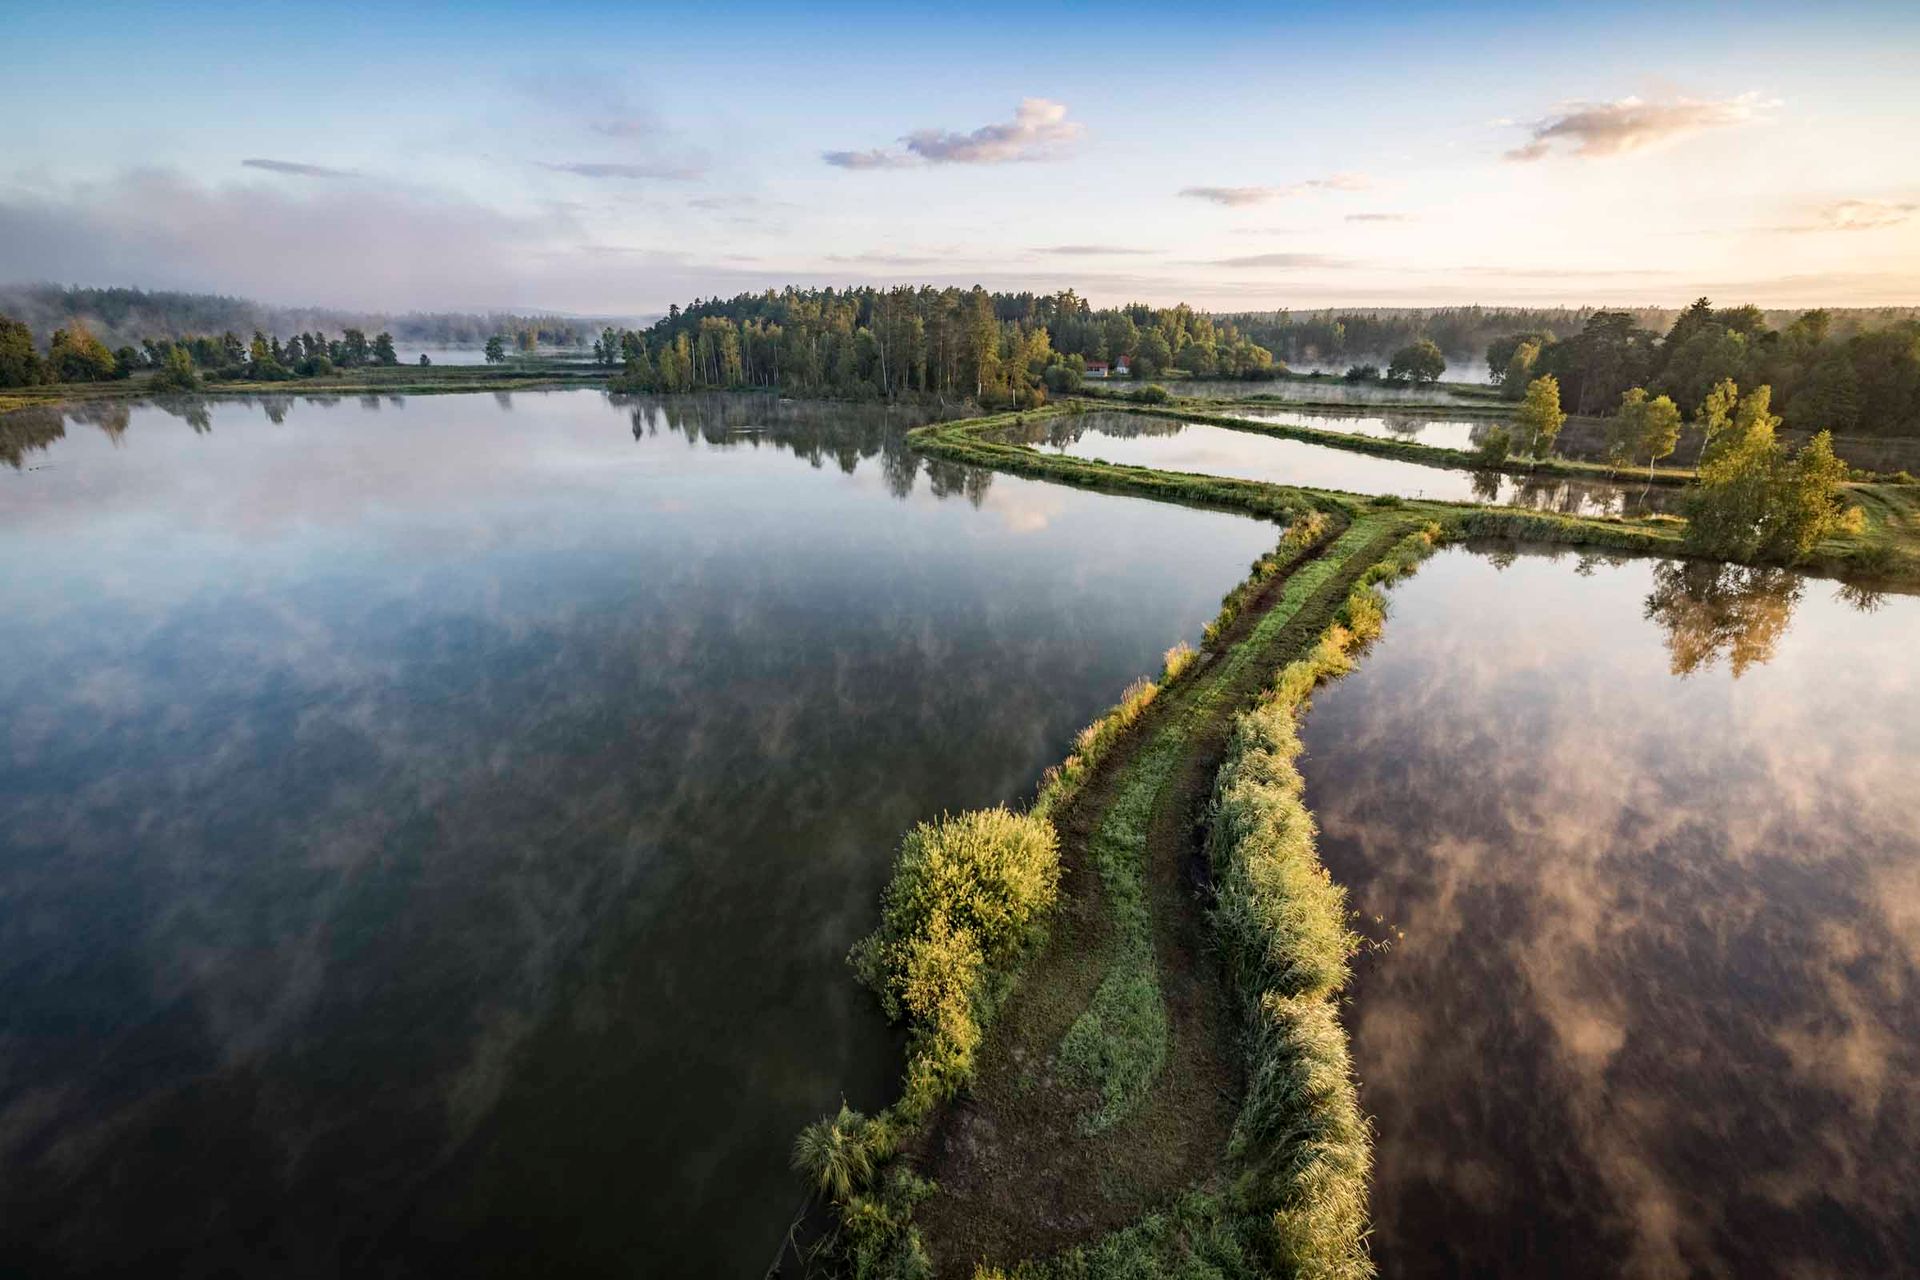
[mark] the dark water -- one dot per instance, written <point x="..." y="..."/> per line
<point x="1652" y="838"/>
<point x="431" y="831"/>
<point x="1139" y="440"/>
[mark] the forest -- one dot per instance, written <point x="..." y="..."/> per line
<point x="75" y="354"/>
<point x="1463" y="333"/>
<point x="1824" y="375"/>
<point x="997" y="348"/>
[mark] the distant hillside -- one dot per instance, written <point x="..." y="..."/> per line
<point x="122" y="317"/>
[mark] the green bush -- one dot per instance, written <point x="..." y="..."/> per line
<point x="969" y="894"/>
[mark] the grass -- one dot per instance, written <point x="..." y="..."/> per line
<point x="1117" y="1046"/>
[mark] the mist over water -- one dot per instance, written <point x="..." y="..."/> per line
<point x="431" y="830"/>
<point x="1642" y="838"/>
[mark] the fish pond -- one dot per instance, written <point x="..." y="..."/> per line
<point x="1142" y="440"/>
<point x="1412" y="426"/>
<point x="432" y="830"/>
<point x="1641" y="842"/>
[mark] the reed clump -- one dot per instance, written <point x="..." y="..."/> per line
<point x="1301" y="1146"/>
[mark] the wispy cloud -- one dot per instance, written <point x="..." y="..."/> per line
<point x="874" y="159"/>
<point x="1091" y="250"/>
<point x="1236" y="197"/>
<point x="1598" y="129"/>
<point x="1858" y="215"/>
<point x="296" y="169"/>
<point x="659" y="170"/>
<point x="1289" y="261"/>
<point x="1379" y="217"/>
<point x="1039" y="130"/>
<point x="883" y="259"/>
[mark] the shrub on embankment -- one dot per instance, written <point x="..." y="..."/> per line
<point x="969" y="895"/>
<point x="1301" y="1147"/>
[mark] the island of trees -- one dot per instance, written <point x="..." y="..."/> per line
<point x="995" y="348"/>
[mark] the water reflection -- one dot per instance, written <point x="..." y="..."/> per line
<point x="1649" y="835"/>
<point x="1138" y="440"/>
<point x="430" y="838"/>
<point x="1711" y="611"/>
<point x="1439" y="432"/>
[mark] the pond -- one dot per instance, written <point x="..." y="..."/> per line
<point x="1143" y="441"/>
<point x="1641" y="839"/>
<point x="1412" y="426"/>
<point x="432" y="829"/>
<point x="1322" y="390"/>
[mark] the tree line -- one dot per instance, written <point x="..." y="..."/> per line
<point x="1753" y="497"/>
<point x="122" y="317"/>
<point x="74" y="354"/>
<point x="1339" y="336"/>
<point x="1866" y="382"/>
<point x="1000" y="348"/>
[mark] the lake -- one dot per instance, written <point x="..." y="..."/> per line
<point x="1642" y="840"/>
<point x="432" y="829"/>
<point x="1143" y="441"/>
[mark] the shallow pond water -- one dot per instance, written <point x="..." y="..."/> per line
<point x="1643" y="841"/>
<point x="1413" y="427"/>
<point x="1143" y="441"/>
<point x="1331" y="389"/>
<point x="431" y="831"/>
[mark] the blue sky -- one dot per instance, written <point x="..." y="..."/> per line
<point x="610" y="159"/>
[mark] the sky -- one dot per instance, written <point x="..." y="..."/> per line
<point x="610" y="159"/>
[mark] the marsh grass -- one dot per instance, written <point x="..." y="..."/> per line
<point x="1301" y="1146"/>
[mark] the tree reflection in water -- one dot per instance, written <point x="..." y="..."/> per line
<point x="1712" y="611"/>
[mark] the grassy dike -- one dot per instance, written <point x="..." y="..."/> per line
<point x="1096" y="1118"/>
<point x="1145" y="1073"/>
<point x="1883" y="552"/>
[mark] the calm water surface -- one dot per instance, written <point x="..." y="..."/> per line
<point x="1142" y="441"/>
<point x="1646" y="845"/>
<point x="1325" y="390"/>
<point x="431" y="830"/>
<point x="1413" y="427"/>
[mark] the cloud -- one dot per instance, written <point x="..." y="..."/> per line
<point x="1289" y="261"/>
<point x="661" y="170"/>
<point x="878" y="259"/>
<point x="875" y="159"/>
<point x="1379" y="217"/>
<point x="1235" y="197"/>
<point x="1091" y="250"/>
<point x="358" y="244"/>
<point x="1597" y="129"/>
<point x="1039" y="130"/>
<point x="296" y="169"/>
<point x="1858" y="215"/>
